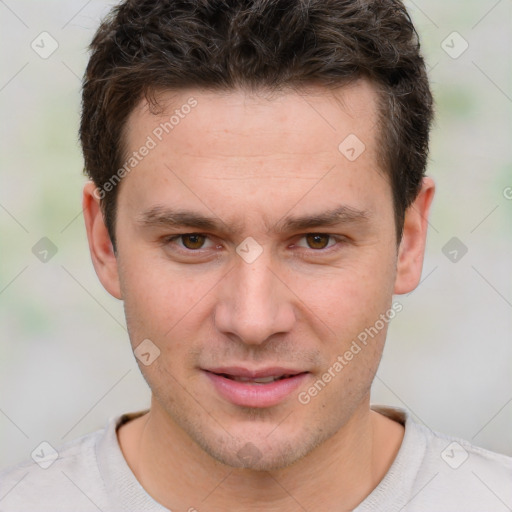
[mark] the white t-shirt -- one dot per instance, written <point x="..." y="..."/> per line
<point x="432" y="472"/>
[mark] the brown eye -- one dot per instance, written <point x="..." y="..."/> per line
<point x="193" y="241"/>
<point x="317" y="241"/>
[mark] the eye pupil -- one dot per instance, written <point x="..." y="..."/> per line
<point x="193" y="241"/>
<point x="317" y="241"/>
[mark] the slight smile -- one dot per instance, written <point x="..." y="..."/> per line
<point x="265" y="387"/>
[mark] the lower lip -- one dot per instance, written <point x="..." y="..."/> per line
<point x="255" y="395"/>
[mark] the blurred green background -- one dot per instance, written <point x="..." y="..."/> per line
<point x="65" y="361"/>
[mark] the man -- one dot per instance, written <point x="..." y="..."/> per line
<point x="257" y="196"/>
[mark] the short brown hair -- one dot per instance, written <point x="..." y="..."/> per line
<point x="145" y="45"/>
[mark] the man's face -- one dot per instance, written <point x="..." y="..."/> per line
<point x="251" y="164"/>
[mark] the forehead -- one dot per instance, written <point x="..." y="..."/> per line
<point x="242" y="113"/>
<point x="247" y="145"/>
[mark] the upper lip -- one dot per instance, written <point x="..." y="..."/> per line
<point x="239" y="371"/>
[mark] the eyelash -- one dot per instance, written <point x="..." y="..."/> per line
<point x="340" y="240"/>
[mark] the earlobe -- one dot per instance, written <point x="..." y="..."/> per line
<point x="412" y="246"/>
<point x="102" y="253"/>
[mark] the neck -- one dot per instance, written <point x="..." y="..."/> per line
<point x="337" y="475"/>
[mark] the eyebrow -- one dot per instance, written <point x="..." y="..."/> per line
<point x="341" y="215"/>
<point x="162" y="216"/>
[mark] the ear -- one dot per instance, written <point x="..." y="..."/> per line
<point x="102" y="252"/>
<point x="412" y="246"/>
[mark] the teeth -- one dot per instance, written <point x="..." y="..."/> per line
<point x="264" y="380"/>
<point x="260" y="380"/>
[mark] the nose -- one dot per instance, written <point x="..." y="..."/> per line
<point x="254" y="302"/>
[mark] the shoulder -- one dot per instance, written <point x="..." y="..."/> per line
<point x="466" y="473"/>
<point x="65" y="478"/>
<point x="435" y="471"/>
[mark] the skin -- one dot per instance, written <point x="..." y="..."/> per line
<point x="248" y="160"/>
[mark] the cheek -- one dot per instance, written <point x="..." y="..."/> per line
<point x="349" y="299"/>
<point x="166" y="306"/>
<point x="156" y="290"/>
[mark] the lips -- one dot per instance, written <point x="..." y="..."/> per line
<point x="256" y="380"/>
<point x="263" y="387"/>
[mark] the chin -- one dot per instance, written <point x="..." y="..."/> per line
<point x="263" y="452"/>
<point x="249" y="456"/>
